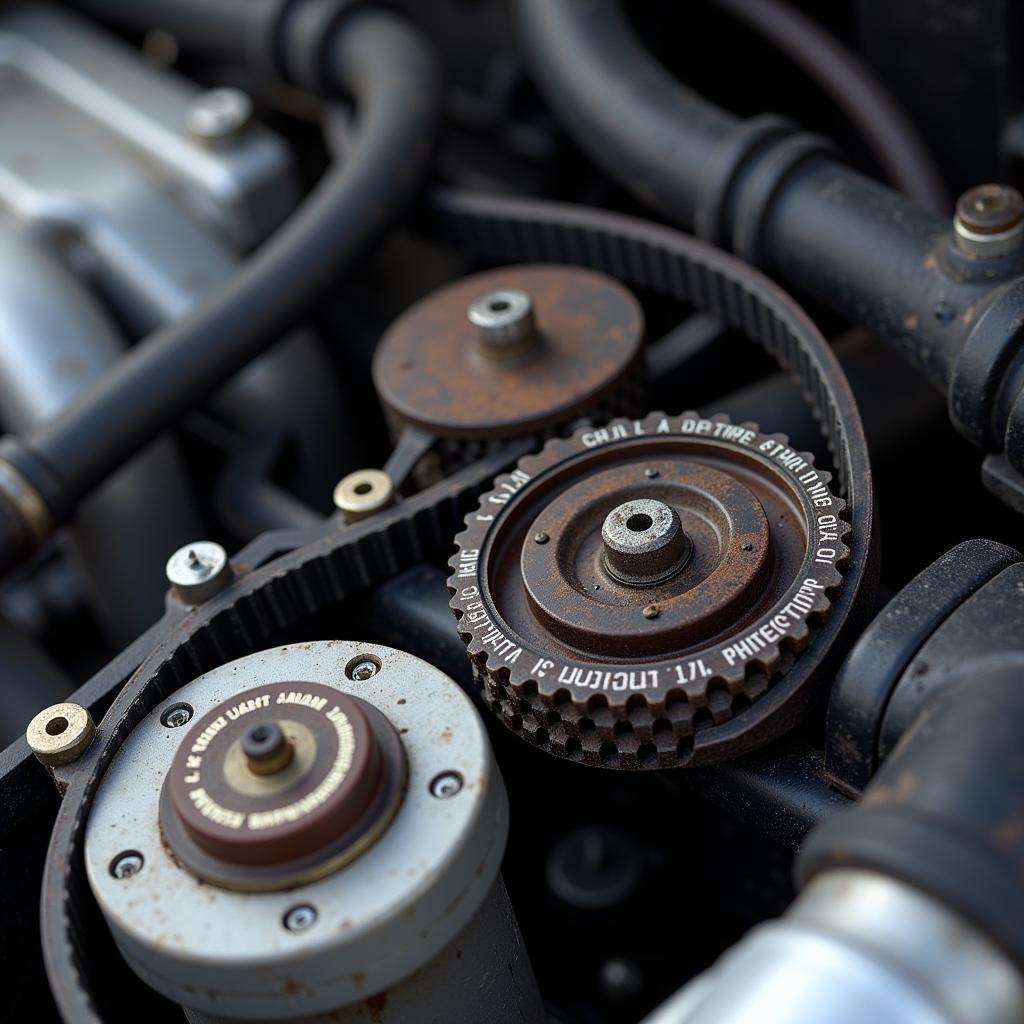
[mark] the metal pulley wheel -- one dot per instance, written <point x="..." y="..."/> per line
<point x="637" y="596"/>
<point x="515" y="352"/>
<point x="311" y="829"/>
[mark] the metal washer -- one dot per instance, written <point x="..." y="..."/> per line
<point x="377" y="920"/>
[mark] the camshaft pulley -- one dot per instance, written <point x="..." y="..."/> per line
<point x="631" y="595"/>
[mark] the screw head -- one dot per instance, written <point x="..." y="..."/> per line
<point x="652" y="611"/>
<point x="218" y="114"/>
<point x="198" y="571"/>
<point x="651" y="473"/>
<point x="176" y="716"/>
<point x="299" y="917"/>
<point x="541" y="538"/>
<point x="127" y="864"/>
<point x="362" y="667"/>
<point x="446" y="785"/>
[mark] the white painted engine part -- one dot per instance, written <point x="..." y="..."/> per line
<point x="411" y="920"/>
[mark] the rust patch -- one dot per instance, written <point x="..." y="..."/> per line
<point x="429" y="373"/>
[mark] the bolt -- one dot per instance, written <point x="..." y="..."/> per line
<point x="299" y="918"/>
<point x="218" y="114"/>
<point x="504" y="323"/>
<point x="652" y="611"/>
<point x="541" y="538"/>
<point x="198" y="571"/>
<point x="60" y="734"/>
<point x="652" y="474"/>
<point x="989" y="221"/>
<point x="266" y="748"/>
<point x="176" y="716"/>
<point x="363" y="667"/>
<point x="127" y="864"/>
<point x="445" y="785"/>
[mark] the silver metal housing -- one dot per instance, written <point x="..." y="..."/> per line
<point x="856" y="947"/>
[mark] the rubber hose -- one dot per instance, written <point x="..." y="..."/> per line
<point x="888" y="132"/>
<point x="391" y="75"/>
<point x="634" y="120"/>
<point x="213" y="26"/>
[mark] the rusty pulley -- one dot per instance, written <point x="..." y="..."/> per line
<point x="630" y="596"/>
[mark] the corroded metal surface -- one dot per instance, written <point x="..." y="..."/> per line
<point x="429" y="370"/>
<point x="325" y="805"/>
<point x="641" y="672"/>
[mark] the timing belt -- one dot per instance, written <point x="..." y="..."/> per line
<point x="332" y="562"/>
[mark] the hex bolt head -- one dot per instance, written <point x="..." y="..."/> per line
<point x="989" y="221"/>
<point x="446" y="785"/>
<point x="60" y="733"/>
<point x="362" y="493"/>
<point x="218" y="114"/>
<point x="198" y="571"/>
<point x="300" y="917"/>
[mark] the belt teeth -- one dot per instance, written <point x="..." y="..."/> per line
<point x="590" y="711"/>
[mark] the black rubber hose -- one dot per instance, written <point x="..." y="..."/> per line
<point x="780" y="200"/>
<point x="946" y="812"/>
<point x="888" y="132"/>
<point x="391" y="75"/>
<point x="209" y="25"/>
<point x="640" y="125"/>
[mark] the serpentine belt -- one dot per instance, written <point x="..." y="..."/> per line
<point x="329" y="563"/>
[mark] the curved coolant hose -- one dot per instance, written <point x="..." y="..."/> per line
<point x="380" y="61"/>
<point x="891" y="136"/>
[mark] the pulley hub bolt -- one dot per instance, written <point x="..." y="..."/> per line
<point x="644" y="542"/>
<point x="266" y="748"/>
<point x="505" y="324"/>
<point x="989" y="221"/>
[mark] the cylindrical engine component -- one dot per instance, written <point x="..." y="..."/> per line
<point x="641" y="595"/>
<point x="514" y="352"/>
<point x="313" y="833"/>
<point x="856" y="946"/>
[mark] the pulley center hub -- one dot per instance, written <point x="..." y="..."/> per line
<point x="701" y="557"/>
<point x="644" y="542"/>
